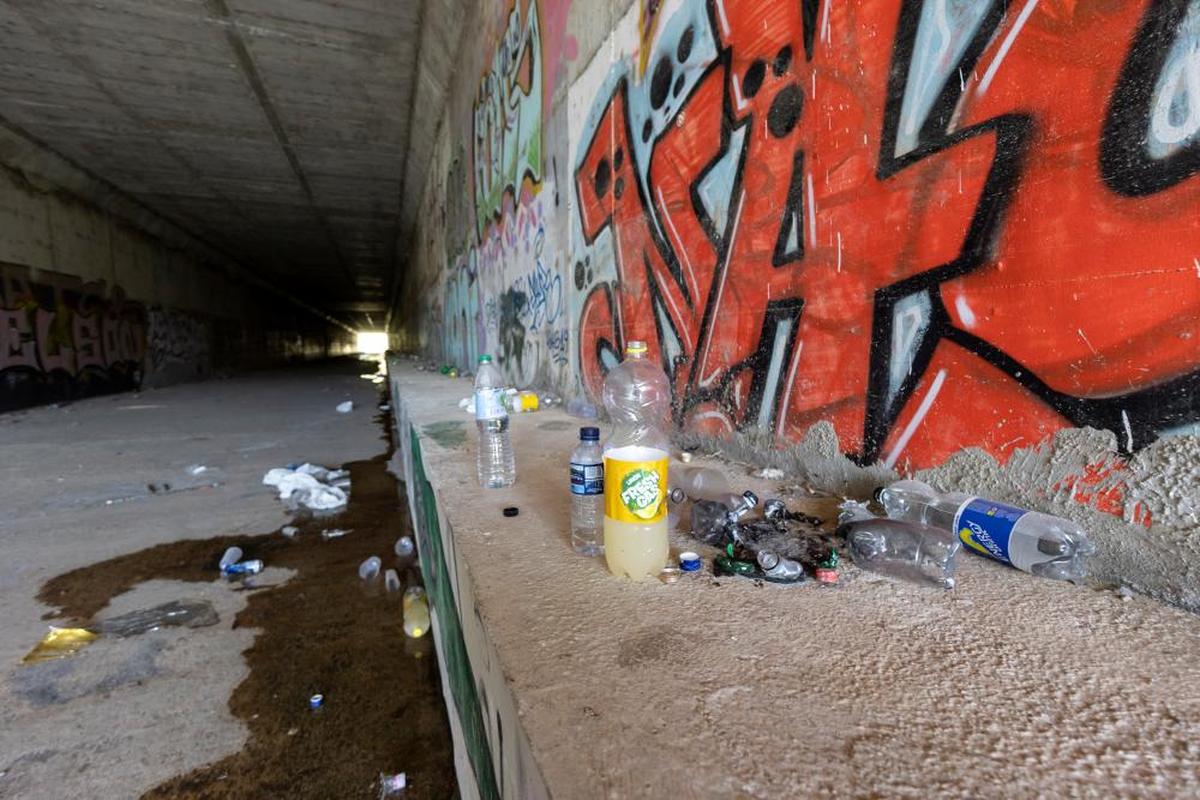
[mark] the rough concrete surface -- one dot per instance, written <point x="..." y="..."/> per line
<point x="1006" y="686"/>
<point x="126" y="714"/>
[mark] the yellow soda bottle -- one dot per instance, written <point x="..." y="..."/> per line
<point x="638" y="398"/>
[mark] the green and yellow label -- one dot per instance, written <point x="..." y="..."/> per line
<point x="635" y="491"/>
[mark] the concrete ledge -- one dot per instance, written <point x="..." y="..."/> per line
<point x="590" y="686"/>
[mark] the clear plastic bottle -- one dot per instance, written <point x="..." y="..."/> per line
<point x="638" y="398"/>
<point x="715" y="521"/>
<point x="587" y="494"/>
<point x="901" y="549"/>
<point x="416" y="612"/>
<point x="1041" y="544"/>
<point x="496" y="466"/>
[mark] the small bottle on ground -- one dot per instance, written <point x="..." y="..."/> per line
<point x="496" y="466"/>
<point x="904" y="549"/>
<point x="1040" y="544"/>
<point x="587" y="494"/>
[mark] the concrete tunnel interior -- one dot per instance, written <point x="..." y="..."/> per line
<point x="304" y="304"/>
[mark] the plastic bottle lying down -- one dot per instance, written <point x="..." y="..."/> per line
<point x="899" y="549"/>
<point x="1041" y="544"/>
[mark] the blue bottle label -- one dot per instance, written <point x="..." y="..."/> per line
<point x="587" y="478"/>
<point x="986" y="526"/>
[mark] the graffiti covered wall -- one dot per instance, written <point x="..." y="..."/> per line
<point x="931" y="223"/>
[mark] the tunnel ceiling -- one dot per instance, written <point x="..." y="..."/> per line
<point x="275" y="131"/>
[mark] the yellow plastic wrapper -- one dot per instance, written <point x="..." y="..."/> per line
<point x="59" y="643"/>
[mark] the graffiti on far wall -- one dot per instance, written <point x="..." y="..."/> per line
<point x="61" y="338"/>
<point x="933" y="223"/>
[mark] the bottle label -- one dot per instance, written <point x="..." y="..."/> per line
<point x="489" y="404"/>
<point x="986" y="526"/>
<point x="635" y="491"/>
<point x="587" y="478"/>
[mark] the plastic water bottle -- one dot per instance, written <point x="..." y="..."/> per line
<point x="496" y="466"/>
<point x="638" y="398"/>
<point x="1041" y="544"/>
<point x="587" y="494"/>
<point x="900" y="549"/>
<point x="416" y="612"/>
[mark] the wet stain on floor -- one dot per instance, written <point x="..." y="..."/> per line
<point x="323" y="631"/>
<point x="448" y="434"/>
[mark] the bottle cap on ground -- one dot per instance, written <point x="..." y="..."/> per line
<point x="589" y="434"/>
<point x="635" y="348"/>
<point x="689" y="561"/>
<point x="511" y="511"/>
<point x="485" y="359"/>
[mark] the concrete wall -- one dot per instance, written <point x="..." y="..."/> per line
<point x="921" y="225"/>
<point x="90" y="304"/>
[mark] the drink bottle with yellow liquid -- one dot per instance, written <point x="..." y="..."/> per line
<point x="638" y="398"/>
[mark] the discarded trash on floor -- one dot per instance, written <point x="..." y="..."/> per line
<point x="901" y="549"/>
<point x="232" y="555"/>
<point x="416" y="612"/>
<point x="769" y="474"/>
<point x="1041" y="544"/>
<point x="242" y="568"/>
<point x="290" y="531"/>
<point x="390" y="785"/>
<point x="177" y="613"/>
<point x="333" y="533"/>
<point x="305" y="485"/>
<point x="391" y="581"/>
<point x="404" y="547"/>
<point x="368" y="570"/>
<point x="315" y="702"/>
<point x="59" y="643"/>
<point x="345" y="408"/>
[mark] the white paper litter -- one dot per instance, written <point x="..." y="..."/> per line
<point x="302" y="487"/>
<point x="346" y="407"/>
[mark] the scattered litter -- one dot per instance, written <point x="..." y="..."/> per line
<point x="670" y="574"/>
<point x="909" y="551"/>
<point x="511" y="511"/>
<point x="391" y="581"/>
<point x="197" y="469"/>
<point x="685" y="457"/>
<point x="521" y="402"/>
<point x="404" y="546"/>
<point x="243" y="568"/>
<point x="231" y="556"/>
<point x="290" y="531"/>
<point x="416" y="612"/>
<point x="316" y="701"/>
<point x="385" y="406"/>
<point x="689" y="561"/>
<point x="345" y="408"/>
<point x="303" y="486"/>
<point x="59" y="643"/>
<point x="368" y="570"/>
<point x="770" y="474"/>
<point x="780" y="569"/>
<point x="1040" y="544"/>
<point x="391" y="784"/>
<point x="333" y="533"/>
<point x="825" y="575"/>
<point x="467" y="404"/>
<point x="177" y="613"/>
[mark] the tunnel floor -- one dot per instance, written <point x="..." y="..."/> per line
<point x="220" y="710"/>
